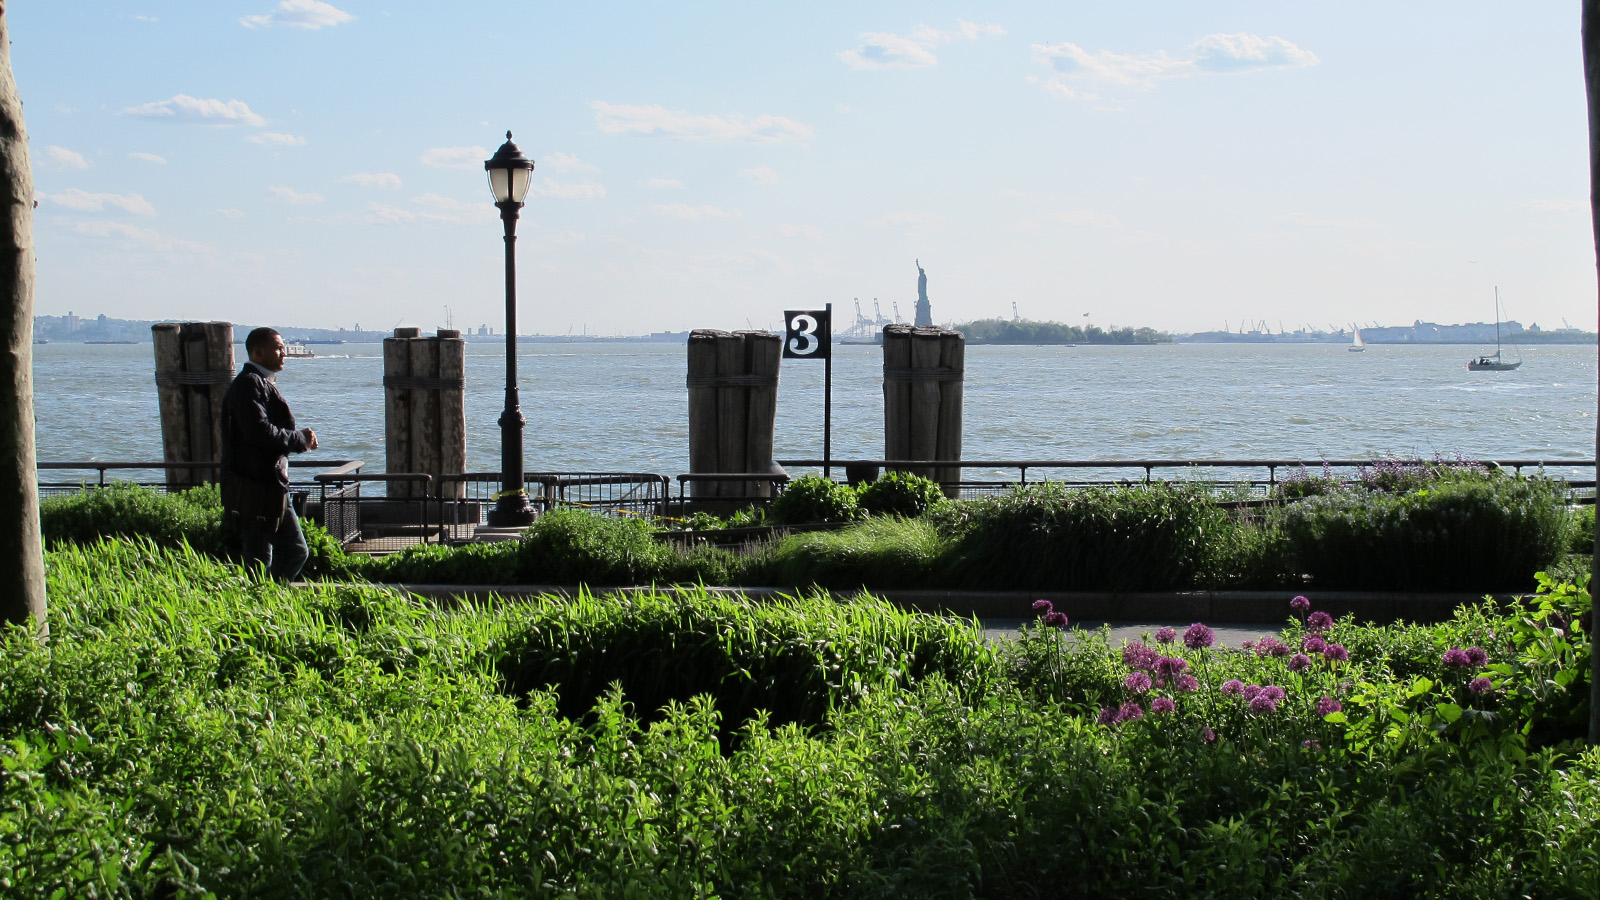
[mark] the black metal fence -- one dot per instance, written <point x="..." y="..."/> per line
<point x="454" y="508"/>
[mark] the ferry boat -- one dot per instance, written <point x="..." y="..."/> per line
<point x="297" y="350"/>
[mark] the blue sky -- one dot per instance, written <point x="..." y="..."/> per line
<point x="1174" y="164"/>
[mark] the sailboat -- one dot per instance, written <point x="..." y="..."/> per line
<point x="1493" y="363"/>
<point x="1357" y="345"/>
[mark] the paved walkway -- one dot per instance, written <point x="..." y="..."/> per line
<point x="1231" y="635"/>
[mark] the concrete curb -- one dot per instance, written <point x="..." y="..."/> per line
<point x="1194" y="606"/>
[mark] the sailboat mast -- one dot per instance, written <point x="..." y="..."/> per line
<point x="1497" y="321"/>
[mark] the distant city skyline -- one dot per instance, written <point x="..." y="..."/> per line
<point x="1169" y="165"/>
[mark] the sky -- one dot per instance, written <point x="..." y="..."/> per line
<point x="1179" y="165"/>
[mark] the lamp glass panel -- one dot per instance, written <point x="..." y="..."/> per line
<point x="500" y="184"/>
<point x="520" y="180"/>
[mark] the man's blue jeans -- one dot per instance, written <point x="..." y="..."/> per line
<point x="283" y="553"/>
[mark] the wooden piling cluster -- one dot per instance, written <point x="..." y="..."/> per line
<point x="424" y="409"/>
<point x="923" y="374"/>
<point x="733" y="408"/>
<point x="194" y="365"/>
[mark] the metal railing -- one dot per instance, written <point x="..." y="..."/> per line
<point x="1226" y="474"/>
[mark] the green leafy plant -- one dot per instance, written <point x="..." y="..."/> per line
<point x="812" y="499"/>
<point x="900" y="494"/>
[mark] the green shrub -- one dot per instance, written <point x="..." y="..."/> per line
<point x="571" y="546"/>
<point x="877" y="553"/>
<point x="1048" y="537"/>
<point x="813" y="499"/>
<point x="484" y="563"/>
<point x="1582" y="531"/>
<point x="1467" y="532"/>
<point x="900" y="494"/>
<point x="129" y="510"/>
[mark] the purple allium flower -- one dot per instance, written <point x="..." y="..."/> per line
<point x="1130" y="711"/>
<point x="1043" y="606"/>
<point x="1313" y="644"/>
<point x="1300" y="604"/>
<point x="1263" y="704"/>
<point x="1108" y="716"/>
<point x="1171" y="666"/>
<point x="1268" y="646"/>
<point x="1198" y="637"/>
<point x="1248" y="645"/>
<point x="1336" y="653"/>
<point x="1138" y="682"/>
<point x="1480" y="686"/>
<point x="1166" y="635"/>
<point x="1477" y="656"/>
<point x="1186" y="683"/>
<point x="1299" y="662"/>
<point x="1162" y="705"/>
<point x="1207" y="735"/>
<point x="1139" y="657"/>
<point x="1456" y="658"/>
<point x="1319" y="621"/>
<point x="1233" y="687"/>
<point x="1273" y="691"/>
<point x="1311" y="744"/>
<point x="1055" y="619"/>
<point x="1328" y="705"/>
<point x="1251" y="691"/>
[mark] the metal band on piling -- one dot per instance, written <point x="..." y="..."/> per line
<point x="940" y="373"/>
<point x="219" y="376"/>
<point x="699" y="381"/>
<point x="418" y="383"/>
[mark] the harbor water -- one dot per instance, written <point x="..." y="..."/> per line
<point x="622" y="407"/>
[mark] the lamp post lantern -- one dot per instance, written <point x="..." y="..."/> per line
<point x="510" y="174"/>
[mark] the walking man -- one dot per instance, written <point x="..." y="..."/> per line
<point x="258" y="434"/>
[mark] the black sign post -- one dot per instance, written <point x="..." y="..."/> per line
<point x="808" y="334"/>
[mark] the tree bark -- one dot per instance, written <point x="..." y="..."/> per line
<point x="1591" y="83"/>
<point x="21" y="550"/>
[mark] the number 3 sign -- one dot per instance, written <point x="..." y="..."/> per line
<point x="808" y="333"/>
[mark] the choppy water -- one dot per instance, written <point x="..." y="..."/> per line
<point x="623" y="407"/>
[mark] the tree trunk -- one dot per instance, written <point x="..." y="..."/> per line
<point x="1591" y="81"/>
<point x="21" y="550"/>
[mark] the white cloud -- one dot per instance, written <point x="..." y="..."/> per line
<point x="1086" y="218"/>
<point x="455" y="157"/>
<point x="229" y="212"/>
<point x="383" y="214"/>
<point x="149" y="158"/>
<point x="143" y="237"/>
<point x="276" y="139"/>
<point x="880" y="50"/>
<point x="1078" y="73"/>
<point x="386" y="180"/>
<point x="290" y="195"/>
<point x="566" y="162"/>
<point x="455" y="212"/>
<point x="84" y="201"/>
<point x="1310" y="221"/>
<point x="1554" y="205"/>
<point x="805" y="231"/>
<point x="761" y="175"/>
<point x="583" y="190"/>
<point x="911" y="220"/>
<point x="623" y="119"/>
<point x="691" y="213"/>
<point x="182" y="107"/>
<point x="661" y="183"/>
<point x="1242" y="52"/>
<point x="1013" y="192"/>
<point x="62" y="158"/>
<point x="308" y="14"/>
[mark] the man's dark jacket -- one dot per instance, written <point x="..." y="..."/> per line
<point x="258" y="432"/>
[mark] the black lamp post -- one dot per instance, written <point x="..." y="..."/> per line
<point x="510" y="174"/>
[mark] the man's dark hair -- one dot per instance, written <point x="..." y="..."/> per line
<point x="259" y="337"/>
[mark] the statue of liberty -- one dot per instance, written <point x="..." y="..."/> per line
<point x="924" y="309"/>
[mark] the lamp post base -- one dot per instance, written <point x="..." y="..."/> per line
<point x="511" y="511"/>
